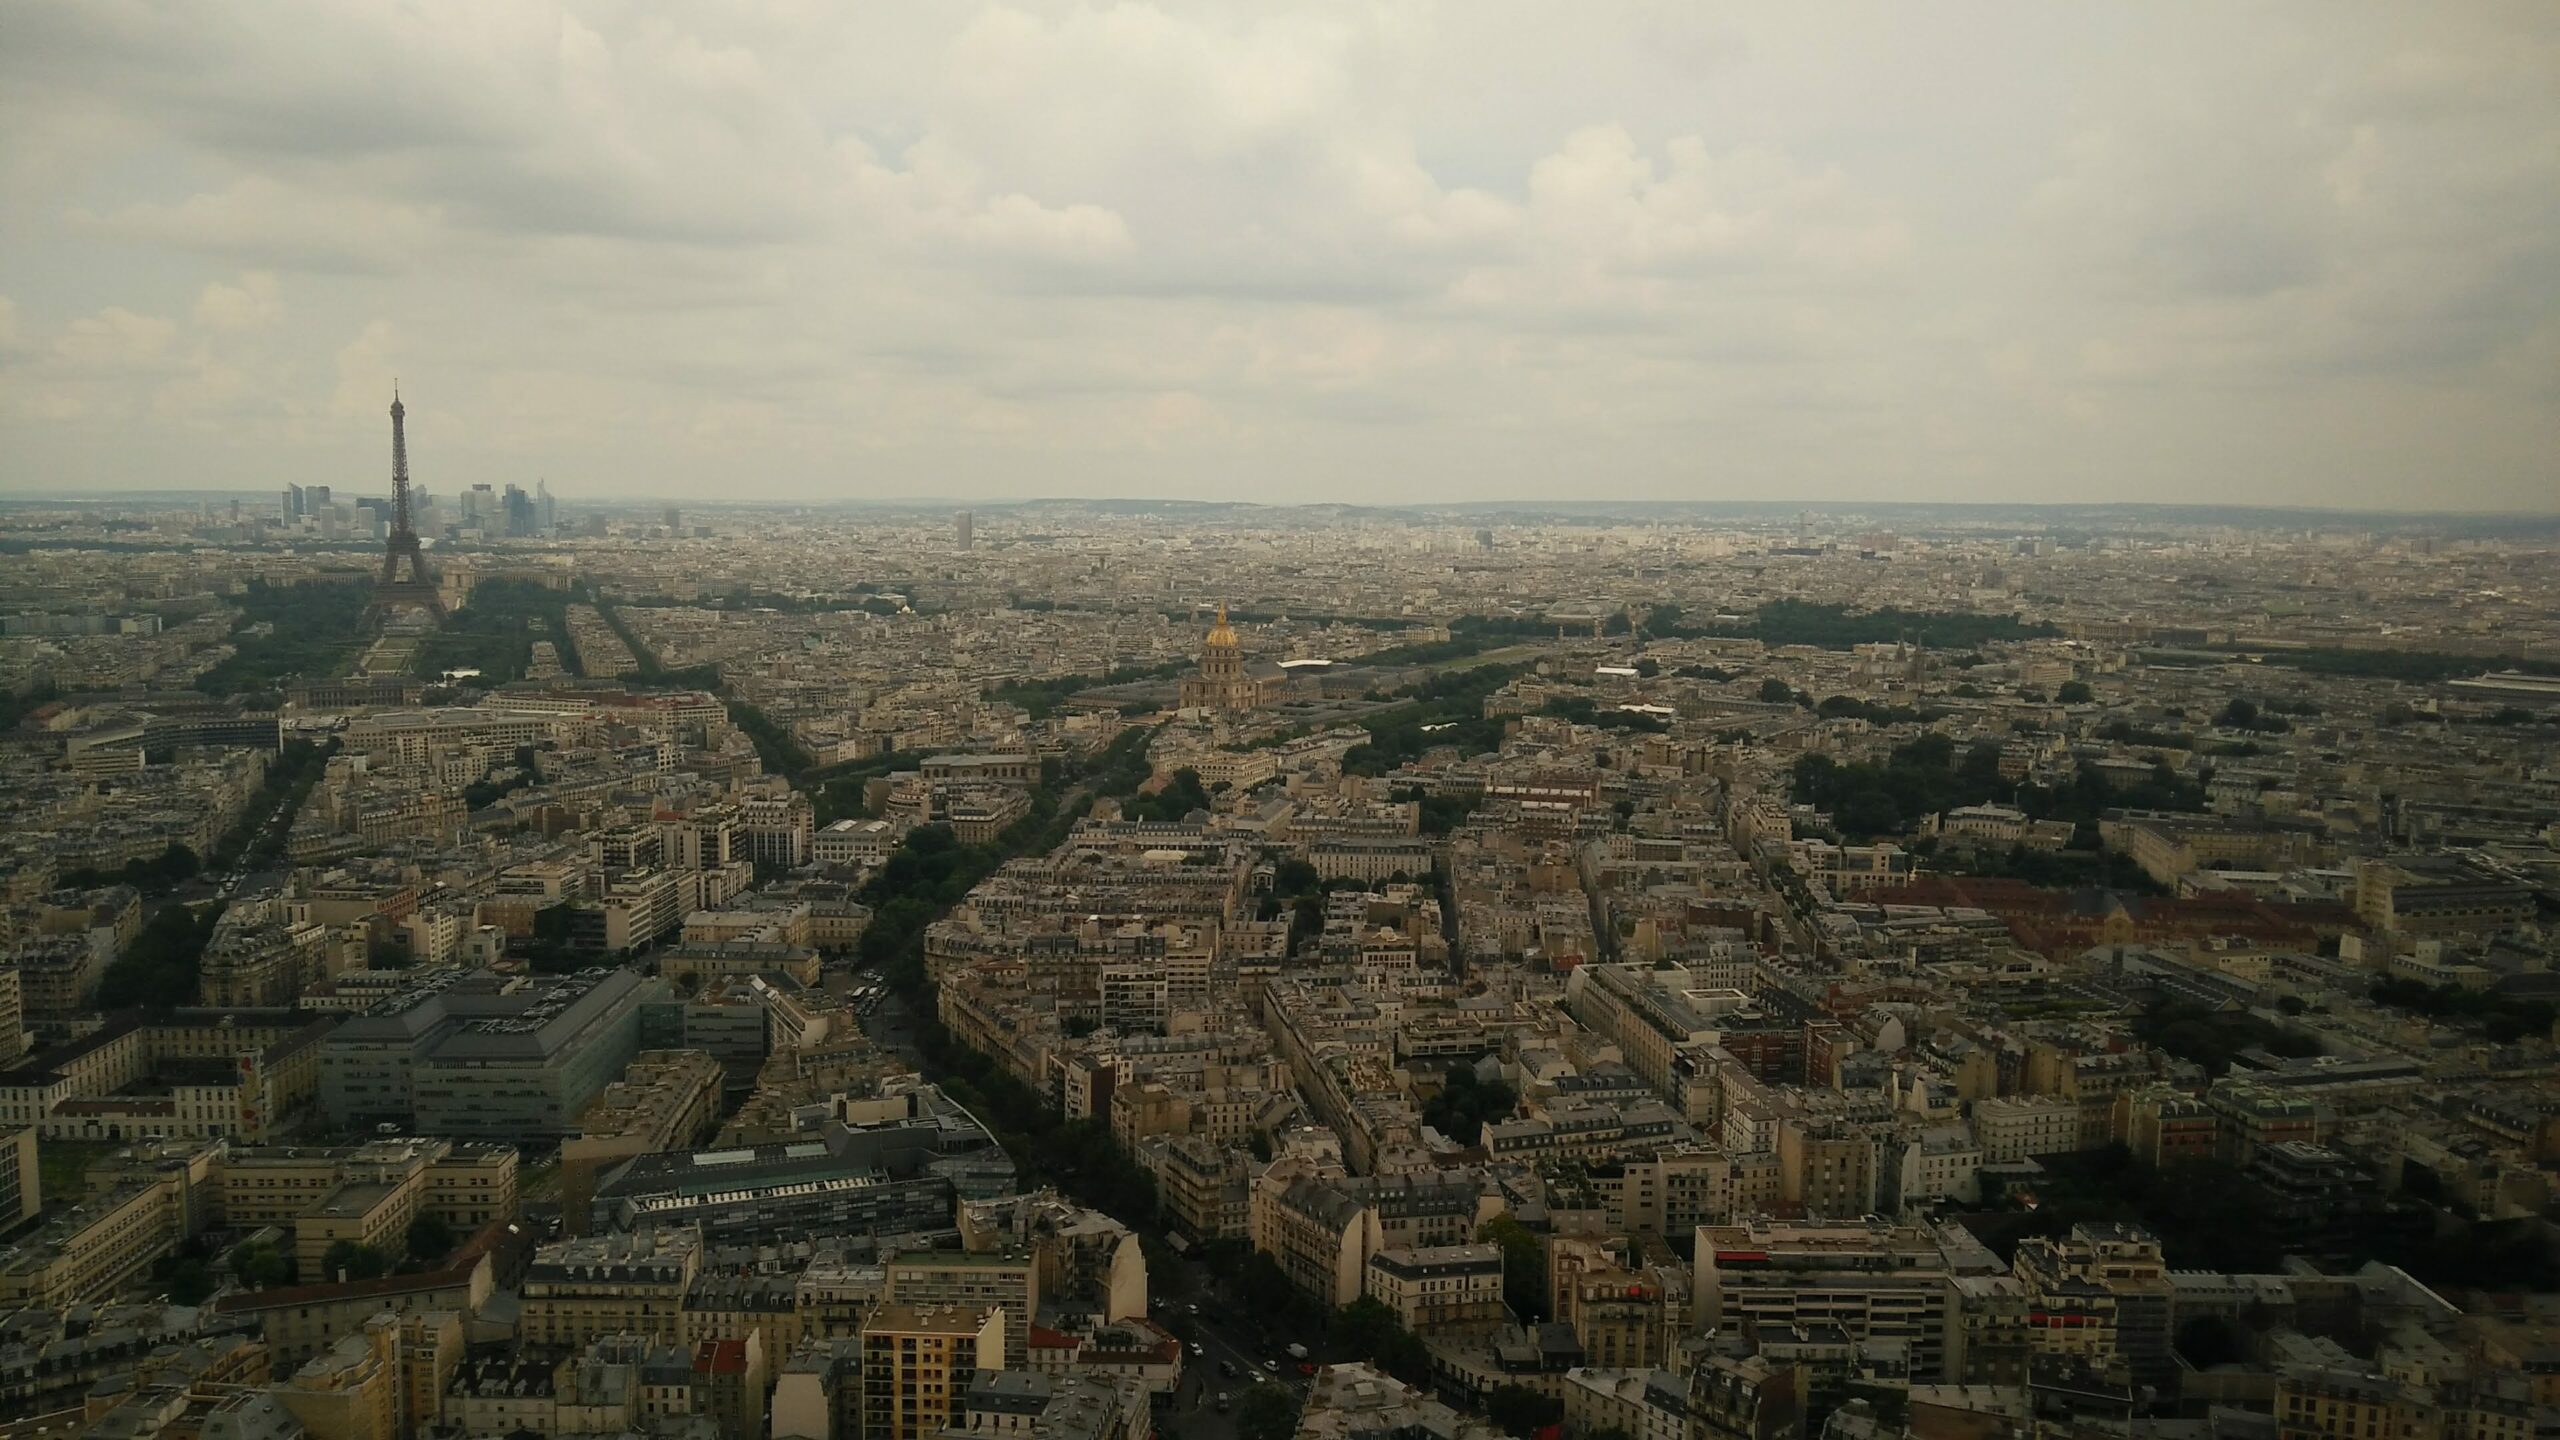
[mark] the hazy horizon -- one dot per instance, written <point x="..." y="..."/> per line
<point x="1399" y="255"/>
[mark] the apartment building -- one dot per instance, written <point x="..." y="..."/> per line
<point x="2012" y="1128"/>
<point x="2100" y="1294"/>
<point x="958" y="1280"/>
<point x="1440" y="1289"/>
<point x="1206" y="1187"/>
<point x="1873" y="1279"/>
<point x="665" y="1100"/>
<point x="918" y="1363"/>
<point x="1682" y="1187"/>
<point x="579" y="1290"/>
<point x="21" y="1181"/>
<point x="2251" y="1117"/>
<point x="1586" y="1132"/>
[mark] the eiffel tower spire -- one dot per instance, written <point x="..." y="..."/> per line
<point x="399" y="465"/>
<point x="401" y="551"/>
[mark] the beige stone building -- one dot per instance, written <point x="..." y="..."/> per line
<point x="86" y="1252"/>
<point x="1440" y="1289"/>
<point x="665" y="1100"/>
<point x="580" y="1290"/>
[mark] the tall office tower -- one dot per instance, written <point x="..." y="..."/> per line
<point x="519" y="508"/>
<point x="419" y="590"/>
<point x="546" y="509"/>
<point x="964" y="527"/>
<point x="315" y="498"/>
<point x="290" y="507"/>
<point x="675" y="518"/>
<point x="480" y="503"/>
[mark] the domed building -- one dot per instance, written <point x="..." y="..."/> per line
<point x="1224" y="681"/>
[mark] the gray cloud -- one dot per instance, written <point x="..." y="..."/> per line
<point x="1433" y="249"/>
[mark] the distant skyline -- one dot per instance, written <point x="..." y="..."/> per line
<point x="2282" y="255"/>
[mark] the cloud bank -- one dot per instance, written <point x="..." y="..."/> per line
<point x="1405" y="251"/>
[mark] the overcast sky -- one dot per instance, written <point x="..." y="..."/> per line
<point x="816" y="249"/>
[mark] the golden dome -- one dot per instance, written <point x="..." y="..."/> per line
<point x="1222" y="634"/>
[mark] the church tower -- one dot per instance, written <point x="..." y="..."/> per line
<point x="1221" y="663"/>
<point x="1224" y="681"/>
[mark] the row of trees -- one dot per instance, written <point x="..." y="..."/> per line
<point x="2081" y="864"/>
<point x="2125" y="732"/>
<point x="1925" y="776"/>
<point x="312" y="627"/>
<point x="780" y="751"/>
<point x="1367" y="1330"/>
<point x="158" y="875"/>
<point x="2215" y="1038"/>
<point x="835" y="790"/>
<point x="1040" y="697"/>
<point x="644" y="661"/>
<point x="17" y="705"/>
<point x="484" y="792"/>
<point x="864" y="598"/>
<point x="162" y="966"/>
<point x="296" y="768"/>
<point x="495" y="631"/>
<point x="1837" y="627"/>
<point x="840" y="792"/>
<point x="2499" y="1018"/>
<point x="1446" y="709"/>
<point x="2211" y="1215"/>
<point x="1459" y="646"/>
<point x="1180" y="796"/>
<point x="932" y="870"/>
<point x="930" y="873"/>
<point x="1850" y="707"/>
<point x="1080" y="1157"/>
<point x="2415" y="667"/>
<point x="1585" y="710"/>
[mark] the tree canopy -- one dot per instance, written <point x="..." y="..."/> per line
<point x="1267" y="1412"/>
<point x="354" y="1261"/>
<point x="1465" y="1103"/>
<point x="1524" y="1266"/>
<point x="1520" y="1410"/>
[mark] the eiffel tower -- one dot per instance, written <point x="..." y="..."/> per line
<point x="401" y="550"/>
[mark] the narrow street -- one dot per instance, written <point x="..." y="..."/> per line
<point x="1193" y="1303"/>
<point x="1185" y="1296"/>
